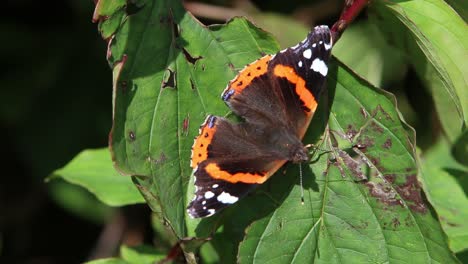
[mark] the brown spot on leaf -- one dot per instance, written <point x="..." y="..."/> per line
<point x="387" y="144"/>
<point x="353" y="165"/>
<point x="231" y="66"/>
<point x="390" y="178"/>
<point x="363" y="112"/>
<point x="161" y="159"/>
<point x="339" y="166"/>
<point x="384" y="193"/>
<point x="408" y="221"/>
<point x="185" y="125"/>
<point x="410" y="191"/>
<point x="364" y="142"/>
<point x="191" y="59"/>
<point x="379" y="110"/>
<point x="375" y="161"/>
<point x="351" y="131"/>
<point x="376" y="127"/>
<point x="361" y="225"/>
<point x="395" y="222"/>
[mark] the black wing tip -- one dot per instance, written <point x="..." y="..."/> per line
<point x="321" y="32"/>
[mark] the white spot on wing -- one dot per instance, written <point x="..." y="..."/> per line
<point x="211" y="212"/>
<point x="203" y="203"/>
<point x="215" y="186"/>
<point x="307" y="53"/>
<point x="209" y="195"/>
<point x="299" y="63"/>
<point x="328" y="46"/>
<point x="226" y="198"/>
<point x="319" y="66"/>
<point x="314" y="45"/>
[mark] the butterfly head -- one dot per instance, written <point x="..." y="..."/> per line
<point x="299" y="154"/>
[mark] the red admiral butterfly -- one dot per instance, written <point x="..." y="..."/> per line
<point x="277" y="96"/>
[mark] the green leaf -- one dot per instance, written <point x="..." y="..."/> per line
<point x="363" y="48"/>
<point x="169" y="71"/>
<point x="141" y="254"/>
<point x="93" y="170"/>
<point x="444" y="182"/>
<point x="108" y="26"/>
<point x="434" y="36"/>
<point x="363" y="203"/>
<point x="106" y="8"/>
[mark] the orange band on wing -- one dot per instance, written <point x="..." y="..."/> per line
<point x="245" y="77"/>
<point x="217" y="173"/>
<point x="200" y="146"/>
<point x="214" y="171"/>
<point x="304" y="94"/>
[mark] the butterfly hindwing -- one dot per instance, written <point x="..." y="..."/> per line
<point x="229" y="160"/>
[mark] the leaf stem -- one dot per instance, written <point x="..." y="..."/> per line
<point x="351" y="9"/>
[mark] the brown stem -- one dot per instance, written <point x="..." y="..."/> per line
<point x="351" y="9"/>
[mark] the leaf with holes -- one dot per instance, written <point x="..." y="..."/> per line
<point x="169" y="71"/>
<point x="363" y="203"/>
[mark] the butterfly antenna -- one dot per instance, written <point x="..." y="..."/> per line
<point x="300" y="182"/>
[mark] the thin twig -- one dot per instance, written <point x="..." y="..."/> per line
<point x="351" y="9"/>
